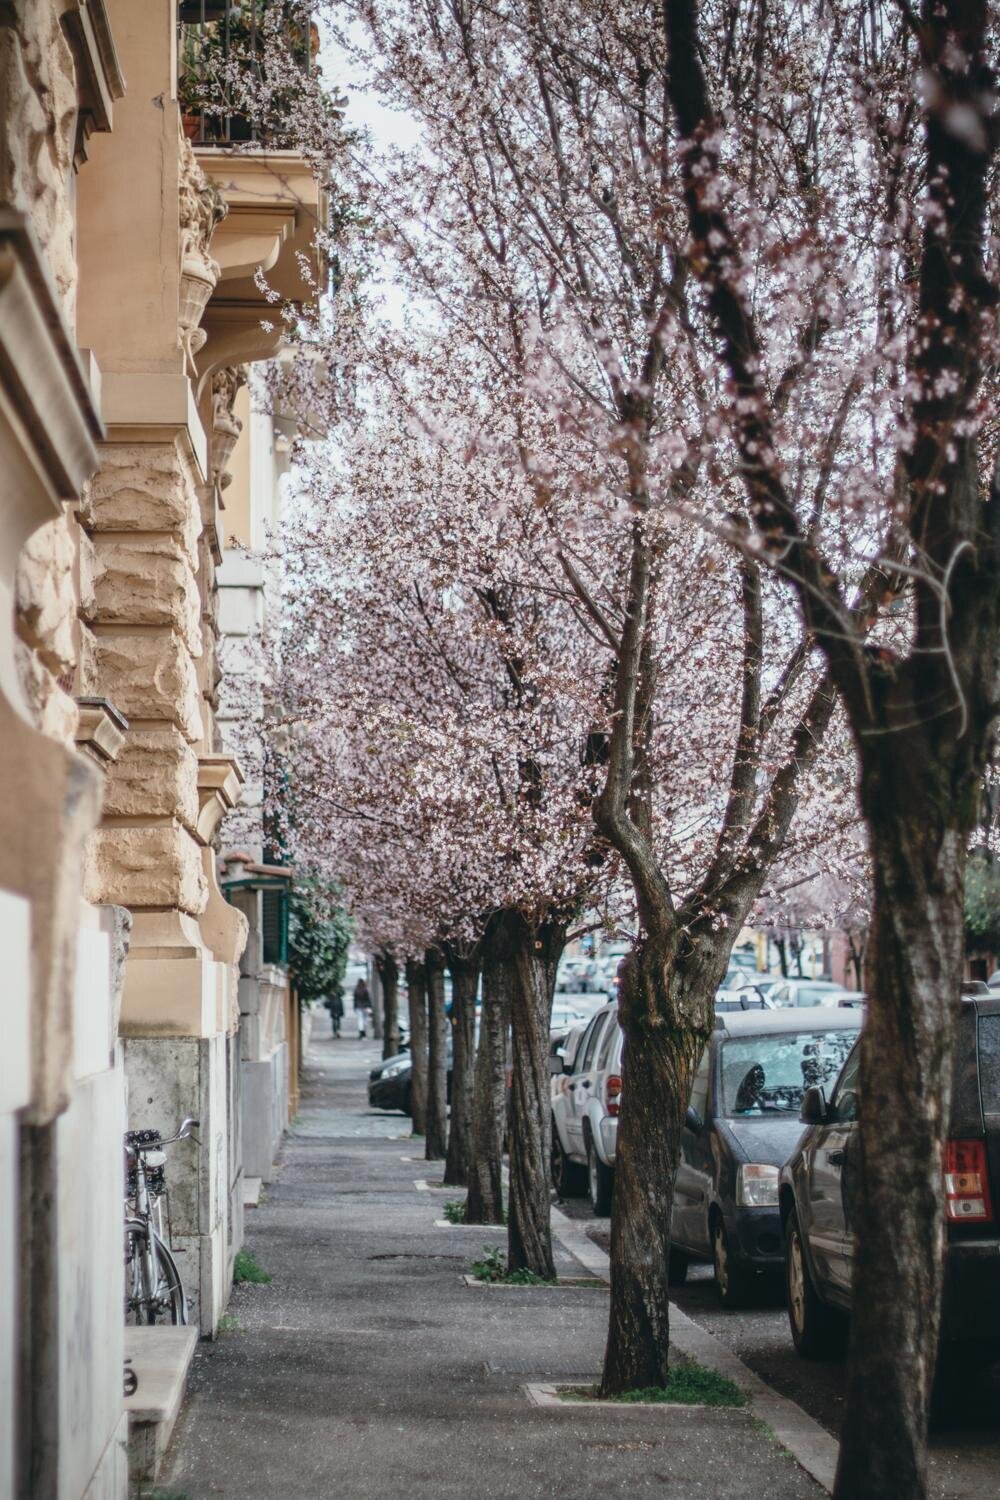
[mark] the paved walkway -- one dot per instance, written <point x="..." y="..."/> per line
<point x="368" y="1369"/>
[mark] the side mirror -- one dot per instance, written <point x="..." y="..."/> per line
<point x="815" y="1110"/>
<point x="693" y="1121"/>
<point x="556" y="1064"/>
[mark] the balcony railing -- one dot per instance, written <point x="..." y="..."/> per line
<point x="227" y="49"/>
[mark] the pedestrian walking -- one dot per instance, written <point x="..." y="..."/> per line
<point x="335" y="1005"/>
<point x="362" y="1007"/>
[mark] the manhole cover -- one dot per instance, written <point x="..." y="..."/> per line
<point x="409" y="1255"/>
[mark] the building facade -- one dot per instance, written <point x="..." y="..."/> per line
<point x="129" y="298"/>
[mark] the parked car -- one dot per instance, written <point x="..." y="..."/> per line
<point x="745" y="999"/>
<point x="816" y="1193"/>
<point x="806" y="993"/>
<point x="742" y="1122"/>
<point x="390" y="1083"/>
<point x="585" y="1113"/>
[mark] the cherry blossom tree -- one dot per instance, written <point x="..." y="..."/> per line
<point x="919" y="128"/>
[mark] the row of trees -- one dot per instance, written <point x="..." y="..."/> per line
<point x="662" y="521"/>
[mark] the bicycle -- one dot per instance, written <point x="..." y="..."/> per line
<point x="154" y="1292"/>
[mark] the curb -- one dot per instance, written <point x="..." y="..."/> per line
<point x="812" y="1447"/>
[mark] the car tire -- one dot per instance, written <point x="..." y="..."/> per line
<point x="569" y="1178"/>
<point x="817" y="1331"/>
<point x="677" y="1267"/>
<point x="600" y="1182"/>
<point x="732" y="1280"/>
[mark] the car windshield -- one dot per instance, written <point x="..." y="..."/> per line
<point x="769" y="1074"/>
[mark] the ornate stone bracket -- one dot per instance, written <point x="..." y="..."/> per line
<point x="226" y="426"/>
<point x="101" y="730"/>
<point x="202" y="207"/>
<point x="224" y="929"/>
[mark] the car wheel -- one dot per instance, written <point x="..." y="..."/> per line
<point x="817" y="1332"/>
<point x="568" y="1178"/>
<point x="677" y="1267"/>
<point x="732" y="1281"/>
<point x="600" y="1180"/>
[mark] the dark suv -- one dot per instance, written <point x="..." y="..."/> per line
<point x="815" y="1196"/>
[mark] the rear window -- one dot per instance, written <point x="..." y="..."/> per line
<point x="809" y="995"/>
<point x="769" y="1074"/>
<point x="989" y="1063"/>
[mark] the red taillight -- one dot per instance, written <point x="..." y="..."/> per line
<point x="613" y="1093"/>
<point x="509" y="1078"/>
<point x="966" y="1182"/>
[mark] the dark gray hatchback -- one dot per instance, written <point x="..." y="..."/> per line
<point x="742" y="1122"/>
<point x="815" y="1197"/>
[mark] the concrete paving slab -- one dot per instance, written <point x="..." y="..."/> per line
<point x="365" y="1369"/>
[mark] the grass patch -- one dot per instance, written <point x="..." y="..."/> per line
<point x="688" y="1384"/>
<point x="492" y="1267"/>
<point x="454" y="1211"/>
<point x="245" y="1268"/>
<point x="229" y="1324"/>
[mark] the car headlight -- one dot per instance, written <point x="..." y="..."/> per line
<point x="394" y="1069"/>
<point x="757" y="1185"/>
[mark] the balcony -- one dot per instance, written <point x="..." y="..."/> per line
<point x="226" y="46"/>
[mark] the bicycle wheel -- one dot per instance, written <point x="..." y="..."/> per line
<point x="155" y="1296"/>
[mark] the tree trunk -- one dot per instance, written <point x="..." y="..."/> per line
<point x="667" y="1017"/>
<point x="484" y="1201"/>
<point x="537" y="949"/>
<point x="416" y="987"/>
<point x="389" y="970"/>
<point x="913" y="974"/>
<point x="464" y="984"/>
<point x="436" y="1132"/>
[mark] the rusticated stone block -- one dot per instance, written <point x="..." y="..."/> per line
<point x="149" y="675"/>
<point x="156" y="775"/>
<point x="155" y="864"/>
<point x="46" y="600"/>
<point x="145" y="580"/>
<point x="145" y="487"/>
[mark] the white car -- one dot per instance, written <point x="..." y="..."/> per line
<point x="585" y="1102"/>
<point x="805" y="993"/>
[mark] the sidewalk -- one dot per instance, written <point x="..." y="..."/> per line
<point x="368" y="1369"/>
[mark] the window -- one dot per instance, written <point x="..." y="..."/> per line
<point x="590" y="1044"/>
<point x="699" y="1087"/>
<point x="607" y="1048"/>
<point x="845" y="1102"/>
<point x="274" y="925"/>
<point x="989" y="1064"/>
<point x="769" y="1074"/>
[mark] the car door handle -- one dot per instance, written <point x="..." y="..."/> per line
<point x="837" y="1158"/>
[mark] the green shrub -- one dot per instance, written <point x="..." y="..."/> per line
<point x="688" y="1384"/>
<point x="245" y="1268"/>
<point x="493" y="1267"/>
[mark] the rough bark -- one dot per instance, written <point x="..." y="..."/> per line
<point x="389" y="970"/>
<point x="912" y="974"/>
<point x="464" y="972"/>
<point x="484" y="1200"/>
<point x="416" y="988"/>
<point x="666" y="1010"/>
<point x="436" y="1130"/>
<point x="537" y="949"/>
